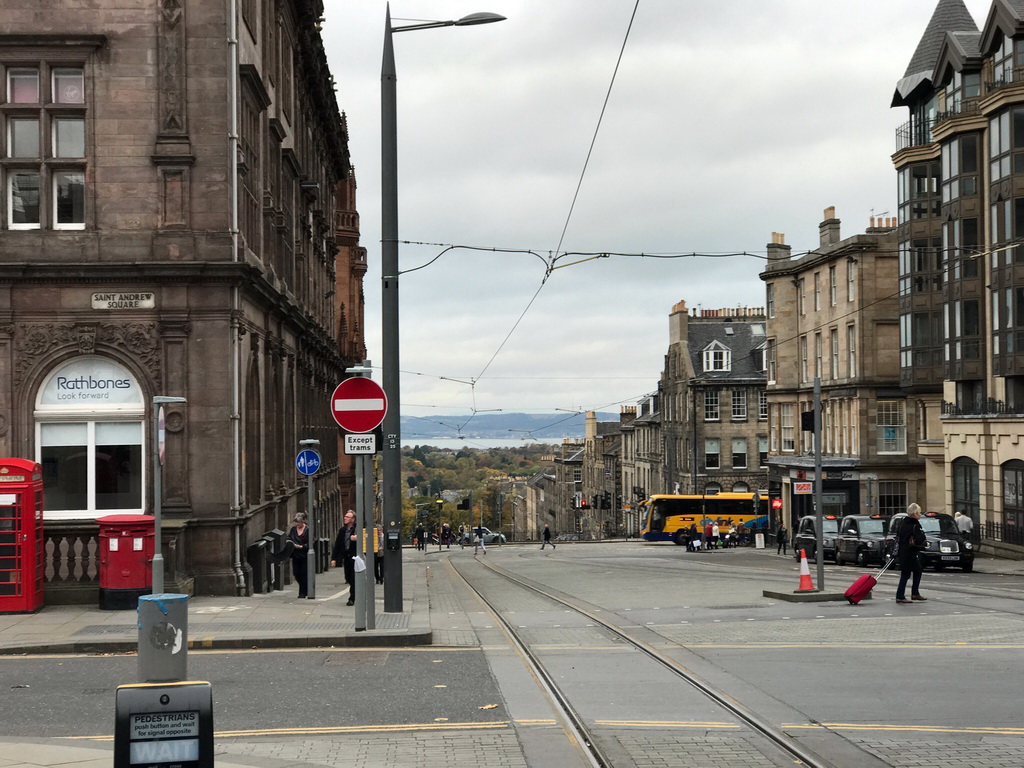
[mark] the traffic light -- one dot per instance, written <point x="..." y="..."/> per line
<point x="464" y="504"/>
<point x="807" y="421"/>
<point x="606" y="500"/>
<point x="584" y="504"/>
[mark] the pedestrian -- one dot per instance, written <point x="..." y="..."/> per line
<point x="298" y="535"/>
<point x="345" y="552"/>
<point x="964" y="524"/>
<point x="378" y="555"/>
<point x="910" y="540"/>
<point x="715" y="530"/>
<point x="707" y="535"/>
<point x="480" y="540"/>
<point x="462" y="536"/>
<point x="693" y="538"/>
<point x="547" y="538"/>
<point x="781" y="539"/>
<point x="420" y="533"/>
<point x="446" y="535"/>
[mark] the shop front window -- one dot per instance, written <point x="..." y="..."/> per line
<point x="90" y="440"/>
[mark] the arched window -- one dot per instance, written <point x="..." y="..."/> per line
<point x="965" y="487"/>
<point x="1013" y="496"/>
<point x="740" y="488"/>
<point x="712" y="489"/>
<point x="89" y="439"/>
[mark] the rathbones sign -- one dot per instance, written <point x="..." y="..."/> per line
<point x="91" y="381"/>
<point x="88" y="388"/>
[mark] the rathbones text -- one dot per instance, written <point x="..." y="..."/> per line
<point x="88" y="382"/>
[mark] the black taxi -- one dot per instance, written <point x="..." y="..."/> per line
<point x="862" y="539"/>
<point x="806" y="538"/>
<point x="945" y="545"/>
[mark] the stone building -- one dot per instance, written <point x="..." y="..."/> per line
<point x="641" y="457"/>
<point x="176" y="214"/>
<point x="602" y="475"/>
<point x="832" y="315"/>
<point x="714" y="414"/>
<point x="961" y="269"/>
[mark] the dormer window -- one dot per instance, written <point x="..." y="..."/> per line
<point x="717" y="357"/>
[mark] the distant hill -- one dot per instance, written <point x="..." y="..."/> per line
<point x="549" y="426"/>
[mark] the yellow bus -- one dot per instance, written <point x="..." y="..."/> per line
<point x="668" y="517"/>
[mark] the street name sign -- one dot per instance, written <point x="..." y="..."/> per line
<point x="359" y="404"/>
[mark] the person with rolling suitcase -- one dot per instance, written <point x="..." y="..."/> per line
<point x="862" y="587"/>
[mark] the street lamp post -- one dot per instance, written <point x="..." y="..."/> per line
<point x="391" y="450"/>
<point x="158" y="487"/>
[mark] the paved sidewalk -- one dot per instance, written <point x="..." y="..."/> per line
<point x="276" y="620"/>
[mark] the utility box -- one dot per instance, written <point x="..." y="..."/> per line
<point x="21" y="536"/>
<point x="126" y="560"/>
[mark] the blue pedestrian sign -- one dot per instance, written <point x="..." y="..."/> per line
<point x="307" y="462"/>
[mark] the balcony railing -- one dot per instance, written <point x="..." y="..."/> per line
<point x="987" y="407"/>
<point x="914" y="133"/>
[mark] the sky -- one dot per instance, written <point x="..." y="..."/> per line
<point x="722" y="123"/>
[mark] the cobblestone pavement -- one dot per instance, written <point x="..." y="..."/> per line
<point x="499" y="749"/>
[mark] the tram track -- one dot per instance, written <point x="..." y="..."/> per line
<point x="586" y="737"/>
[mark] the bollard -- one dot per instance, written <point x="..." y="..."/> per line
<point x="163" y="638"/>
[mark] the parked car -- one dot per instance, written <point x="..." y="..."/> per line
<point x="488" y="536"/>
<point x="946" y="545"/>
<point x="806" y="537"/>
<point x="862" y="540"/>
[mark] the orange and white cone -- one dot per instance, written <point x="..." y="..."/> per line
<point x="806" y="585"/>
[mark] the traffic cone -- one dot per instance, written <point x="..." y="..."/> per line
<point x="806" y="585"/>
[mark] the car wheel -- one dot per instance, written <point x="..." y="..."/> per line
<point x="968" y="567"/>
<point x="862" y="558"/>
<point x="839" y="557"/>
<point x="679" y="539"/>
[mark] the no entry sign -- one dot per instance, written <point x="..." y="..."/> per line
<point x="359" y="405"/>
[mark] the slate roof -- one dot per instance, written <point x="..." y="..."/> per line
<point x="949" y="16"/>
<point x="741" y="343"/>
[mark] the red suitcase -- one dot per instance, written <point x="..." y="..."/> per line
<point x="862" y="587"/>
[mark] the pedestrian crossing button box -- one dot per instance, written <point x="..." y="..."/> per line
<point x="394" y="542"/>
<point x="164" y="725"/>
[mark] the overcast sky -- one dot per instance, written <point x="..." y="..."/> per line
<point x="727" y="121"/>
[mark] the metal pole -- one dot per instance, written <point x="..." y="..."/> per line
<point x="311" y="553"/>
<point x="368" y="592"/>
<point x="391" y="450"/>
<point x="158" y="492"/>
<point x="819" y="544"/>
<point x="357" y="580"/>
<point x="158" y="489"/>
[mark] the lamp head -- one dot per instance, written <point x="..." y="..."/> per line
<point x="478" y="18"/>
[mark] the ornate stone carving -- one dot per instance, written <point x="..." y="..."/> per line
<point x="172" y="67"/>
<point x="33" y="341"/>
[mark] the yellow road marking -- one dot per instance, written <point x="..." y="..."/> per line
<point x="327" y="730"/>
<point x="991" y="731"/>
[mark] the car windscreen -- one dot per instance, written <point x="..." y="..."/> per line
<point x="831" y="526"/>
<point x="872" y="526"/>
<point x="939" y="525"/>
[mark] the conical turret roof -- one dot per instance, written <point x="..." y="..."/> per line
<point x="949" y="16"/>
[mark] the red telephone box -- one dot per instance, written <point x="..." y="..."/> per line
<point x="21" y="536"/>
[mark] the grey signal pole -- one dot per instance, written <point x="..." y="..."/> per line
<point x="819" y="515"/>
<point x="392" y="448"/>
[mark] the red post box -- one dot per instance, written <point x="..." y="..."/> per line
<point x="21" y="536"/>
<point x="126" y="560"/>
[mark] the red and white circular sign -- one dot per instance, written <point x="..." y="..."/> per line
<point x="359" y="405"/>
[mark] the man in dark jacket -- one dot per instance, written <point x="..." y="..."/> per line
<point x="345" y="551"/>
<point x="910" y="540"/>
<point x="781" y="540"/>
<point x="547" y="538"/>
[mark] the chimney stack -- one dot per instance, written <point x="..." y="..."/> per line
<point x="777" y="248"/>
<point x="828" y="230"/>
